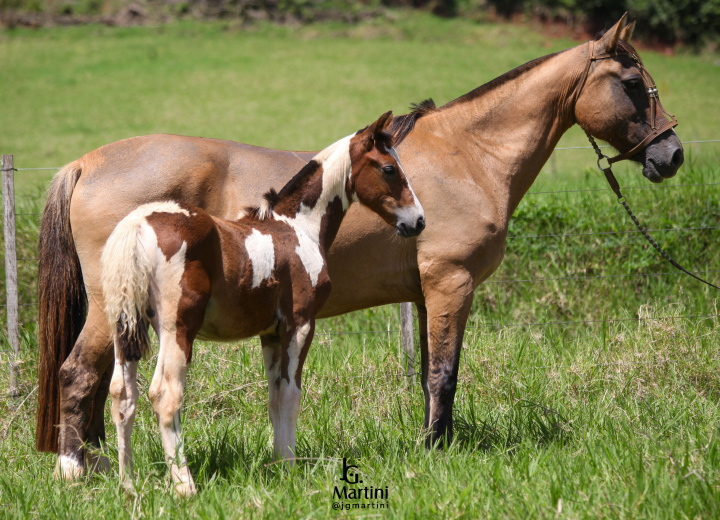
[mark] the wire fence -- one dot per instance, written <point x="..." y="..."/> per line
<point x="508" y="325"/>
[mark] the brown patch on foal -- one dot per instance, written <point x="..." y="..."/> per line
<point x="304" y="188"/>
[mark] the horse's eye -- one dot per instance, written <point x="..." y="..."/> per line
<point x="389" y="170"/>
<point x="633" y="84"/>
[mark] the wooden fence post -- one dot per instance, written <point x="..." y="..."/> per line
<point x="407" y="351"/>
<point x="11" y="289"/>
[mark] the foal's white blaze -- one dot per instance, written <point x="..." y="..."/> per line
<point x="262" y="256"/>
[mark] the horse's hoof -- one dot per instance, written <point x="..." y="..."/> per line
<point x="68" y="468"/>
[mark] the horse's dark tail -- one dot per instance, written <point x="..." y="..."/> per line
<point x="62" y="302"/>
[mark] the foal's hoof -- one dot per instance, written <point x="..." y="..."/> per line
<point x="68" y="468"/>
<point x="186" y="489"/>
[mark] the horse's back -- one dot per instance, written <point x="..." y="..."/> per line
<point x="222" y="177"/>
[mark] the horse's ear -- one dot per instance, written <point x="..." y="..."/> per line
<point x="372" y="133"/>
<point x="608" y="42"/>
<point x="627" y="32"/>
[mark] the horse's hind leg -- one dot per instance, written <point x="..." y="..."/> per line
<point x="166" y="394"/>
<point x="81" y="377"/>
<point x="95" y="459"/>
<point x="284" y="357"/>
<point x="124" y="392"/>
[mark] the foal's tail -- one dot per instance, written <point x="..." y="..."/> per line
<point x="62" y="302"/>
<point x="126" y="272"/>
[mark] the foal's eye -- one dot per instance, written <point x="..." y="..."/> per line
<point x="389" y="170"/>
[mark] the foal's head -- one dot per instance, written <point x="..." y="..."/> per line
<point x="378" y="180"/>
<point x="615" y="105"/>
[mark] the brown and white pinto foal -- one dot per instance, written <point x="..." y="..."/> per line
<point x="190" y="275"/>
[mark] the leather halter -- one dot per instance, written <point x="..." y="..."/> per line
<point x="656" y="130"/>
<point x="667" y="121"/>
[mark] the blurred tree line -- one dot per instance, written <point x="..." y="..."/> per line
<point x="689" y="22"/>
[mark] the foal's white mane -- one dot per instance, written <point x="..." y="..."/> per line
<point x="337" y="166"/>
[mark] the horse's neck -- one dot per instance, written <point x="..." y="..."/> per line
<point x="511" y="130"/>
<point x="321" y="220"/>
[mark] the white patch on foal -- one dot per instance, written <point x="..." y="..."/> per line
<point x="262" y="256"/>
<point x="336" y="164"/>
<point x="137" y="275"/>
<point x="127" y="261"/>
<point x="310" y="256"/>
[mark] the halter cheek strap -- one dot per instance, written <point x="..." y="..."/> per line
<point x="667" y="121"/>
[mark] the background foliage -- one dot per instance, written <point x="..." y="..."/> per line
<point x="689" y="22"/>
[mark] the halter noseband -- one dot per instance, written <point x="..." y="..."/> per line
<point x="652" y="92"/>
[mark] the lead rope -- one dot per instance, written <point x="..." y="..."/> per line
<point x="612" y="181"/>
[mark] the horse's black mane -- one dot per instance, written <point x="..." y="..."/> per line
<point x="501" y="80"/>
<point x="403" y="125"/>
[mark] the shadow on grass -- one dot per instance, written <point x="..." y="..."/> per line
<point x="526" y="421"/>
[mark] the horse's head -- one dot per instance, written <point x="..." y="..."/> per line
<point x="379" y="182"/>
<point x="618" y="103"/>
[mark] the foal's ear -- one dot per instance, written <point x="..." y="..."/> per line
<point x="608" y="42"/>
<point x="383" y="123"/>
<point x="375" y="131"/>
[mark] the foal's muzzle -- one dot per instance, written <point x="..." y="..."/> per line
<point x="406" y="230"/>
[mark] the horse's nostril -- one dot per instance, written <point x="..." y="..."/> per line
<point x="678" y="158"/>
<point x="420" y="224"/>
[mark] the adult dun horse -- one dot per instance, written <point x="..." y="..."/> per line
<point x="190" y="275"/>
<point x="479" y="153"/>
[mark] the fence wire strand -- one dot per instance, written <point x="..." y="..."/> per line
<point x="501" y="325"/>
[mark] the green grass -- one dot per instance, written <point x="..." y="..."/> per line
<point x="602" y="419"/>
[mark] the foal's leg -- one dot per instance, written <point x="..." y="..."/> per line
<point x="284" y="357"/>
<point x="166" y="394"/>
<point x="124" y="392"/>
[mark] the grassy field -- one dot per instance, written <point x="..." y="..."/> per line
<point x="606" y="415"/>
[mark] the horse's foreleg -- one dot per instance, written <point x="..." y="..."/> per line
<point x="284" y="358"/>
<point x="80" y="377"/>
<point x="166" y="394"/>
<point x="124" y="392"/>
<point x="448" y="299"/>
